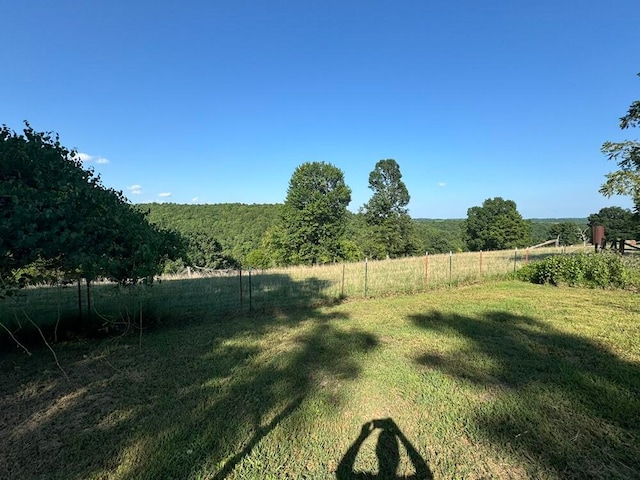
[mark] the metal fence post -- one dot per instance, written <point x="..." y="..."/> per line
<point x="426" y="268"/>
<point x="366" y="267"/>
<point x="250" y="292"/>
<point x="240" y="276"/>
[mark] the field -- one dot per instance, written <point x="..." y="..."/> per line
<point x="500" y="379"/>
<point x="177" y="297"/>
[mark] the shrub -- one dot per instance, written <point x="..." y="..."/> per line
<point x="602" y="270"/>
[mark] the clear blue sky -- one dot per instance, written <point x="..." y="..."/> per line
<point x="215" y="102"/>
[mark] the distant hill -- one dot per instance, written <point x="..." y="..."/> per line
<point x="579" y="221"/>
<point x="237" y="226"/>
<point x="534" y="220"/>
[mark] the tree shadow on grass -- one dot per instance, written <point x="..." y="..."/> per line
<point x="194" y="401"/>
<point x="558" y="402"/>
<point x="116" y="309"/>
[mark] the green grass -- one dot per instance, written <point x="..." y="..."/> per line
<point x="231" y="293"/>
<point x="496" y="380"/>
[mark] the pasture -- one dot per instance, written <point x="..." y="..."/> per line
<point x="500" y="379"/>
<point x="174" y="298"/>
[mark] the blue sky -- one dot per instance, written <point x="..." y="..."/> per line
<point x="215" y="102"/>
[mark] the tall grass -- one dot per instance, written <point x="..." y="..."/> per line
<point x="178" y="297"/>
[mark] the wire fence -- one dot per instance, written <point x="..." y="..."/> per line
<point x="195" y="295"/>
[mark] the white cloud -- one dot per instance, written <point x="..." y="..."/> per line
<point x="194" y="200"/>
<point x="135" y="189"/>
<point x="164" y="194"/>
<point x="86" y="158"/>
<point x="442" y="184"/>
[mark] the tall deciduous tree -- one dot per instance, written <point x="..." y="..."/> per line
<point x="496" y="225"/>
<point x="386" y="212"/>
<point x="626" y="180"/>
<point x="313" y="216"/>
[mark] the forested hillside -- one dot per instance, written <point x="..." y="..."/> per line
<point x="237" y="227"/>
<point x="233" y="230"/>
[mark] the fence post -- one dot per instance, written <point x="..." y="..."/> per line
<point x="250" y="292"/>
<point x="366" y="265"/>
<point x="480" y="264"/>
<point x="426" y="268"/>
<point x="450" y="267"/>
<point x="515" y="259"/>
<point x="240" y="276"/>
<point x="342" y="285"/>
<point x="526" y="256"/>
<point x="88" y="282"/>
<point x="80" y="298"/>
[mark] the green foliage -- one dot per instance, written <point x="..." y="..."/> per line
<point x="259" y="258"/>
<point x="569" y="233"/>
<point x="619" y="223"/>
<point x="439" y="236"/>
<point x="59" y="215"/>
<point x="390" y="227"/>
<point x="205" y="252"/>
<point x="313" y="217"/>
<point x="604" y="270"/>
<point x="351" y="251"/>
<point x="237" y="228"/>
<point x="496" y="225"/>
<point x="626" y="180"/>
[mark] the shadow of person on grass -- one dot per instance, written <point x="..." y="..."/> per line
<point x="388" y="453"/>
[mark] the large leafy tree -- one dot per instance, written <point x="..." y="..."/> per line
<point x="313" y="216"/>
<point x="496" y="225"/>
<point x="60" y="216"/>
<point x="619" y="223"/>
<point x="386" y="212"/>
<point x="626" y="180"/>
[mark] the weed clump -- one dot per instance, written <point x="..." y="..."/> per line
<point x="594" y="270"/>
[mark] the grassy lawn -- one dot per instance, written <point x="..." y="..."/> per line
<point x="497" y="380"/>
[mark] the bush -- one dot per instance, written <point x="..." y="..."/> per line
<point x="602" y="270"/>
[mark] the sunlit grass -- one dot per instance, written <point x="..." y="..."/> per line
<point x="494" y="380"/>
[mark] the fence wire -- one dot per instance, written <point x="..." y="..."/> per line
<point x="195" y="295"/>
